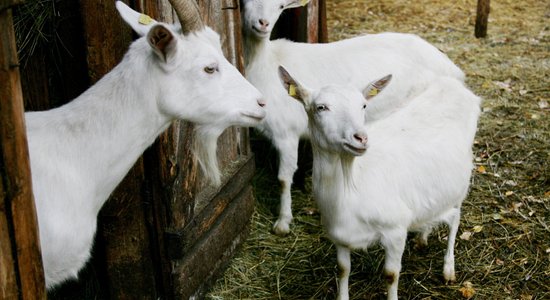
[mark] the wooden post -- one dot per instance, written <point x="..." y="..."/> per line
<point x="21" y="271"/>
<point x="322" y="26"/>
<point x="316" y="22"/>
<point x="483" y="8"/>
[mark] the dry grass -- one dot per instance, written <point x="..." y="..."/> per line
<point x="504" y="249"/>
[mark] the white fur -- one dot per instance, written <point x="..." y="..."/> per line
<point x="356" y="61"/>
<point x="412" y="175"/>
<point x="80" y="151"/>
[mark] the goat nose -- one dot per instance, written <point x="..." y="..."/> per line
<point x="261" y="102"/>
<point x="361" y="138"/>
<point x="263" y="22"/>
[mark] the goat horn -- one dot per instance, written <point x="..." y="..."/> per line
<point x="188" y="14"/>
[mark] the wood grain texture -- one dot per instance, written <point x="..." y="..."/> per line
<point x="322" y="22"/>
<point x="106" y="36"/>
<point x="212" y="251"/>
<point x="180" y="242"/>
<point x="22" y="264"/>
<point x="313" y="21"/>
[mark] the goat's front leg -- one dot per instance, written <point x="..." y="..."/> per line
<point x="288" y="164"/>
<point x="344" y="264"/>
<point x="394" y="244"/>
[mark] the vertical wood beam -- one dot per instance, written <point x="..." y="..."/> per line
<point x="312" y="27"/>
<point x="482" y="17"/>
<point x="322" y="26"/>
<point x="21" y="271"/>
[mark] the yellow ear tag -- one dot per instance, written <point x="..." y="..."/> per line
<point x="303" y="2"/>
<point x="292" y="90"/>
<point x="145" y="19"/>
<point x="373" y="92"/>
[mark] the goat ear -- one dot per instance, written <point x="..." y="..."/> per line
<point x="293" y="87"/>
<point x="139" y="22"/>
<point x="375" y="87"/>
<point x="296" y="3"/>
<point x="162" y="41"/>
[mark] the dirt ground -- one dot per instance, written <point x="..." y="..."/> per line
<point x="503" y="249"/>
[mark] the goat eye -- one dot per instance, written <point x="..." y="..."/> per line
<point x="210" y="69"/>
<point x="322" y="107"/>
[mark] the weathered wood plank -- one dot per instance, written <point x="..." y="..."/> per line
<point x="221" y="264"/>
<point x="17" y="203"/>
<point x="209" y="254"/>
<point x="312" y="22"/>
<point x="106" y="36"/>
<point x="131" y="271"/>
<point x="180" y="242"/>
<point x="322" y="22"/>
<point x="8" y="276"/>
<point x="482" y="17"/>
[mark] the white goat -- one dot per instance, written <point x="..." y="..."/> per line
<point x="357" y="61"/>
<point x="80" y="152"/>
<point x="413" y="175"/>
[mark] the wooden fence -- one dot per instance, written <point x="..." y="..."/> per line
<point x="164" y="233"/>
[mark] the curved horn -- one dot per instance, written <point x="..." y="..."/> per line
<point x="188" y="14"/>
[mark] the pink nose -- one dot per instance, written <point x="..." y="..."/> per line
<point x="261" y="102"/>
<point x="264" y="23"/>
<point x="361" y="138"/>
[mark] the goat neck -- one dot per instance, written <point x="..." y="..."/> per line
<point x="130" y="122"/>
<point x="255" y="47"/>
<point x="331" y="176"/>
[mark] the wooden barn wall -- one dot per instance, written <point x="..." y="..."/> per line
<point x="303" y="24"/>
<point x="164" y="233"/>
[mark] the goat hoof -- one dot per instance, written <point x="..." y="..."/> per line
<point x="281" y="228"/>
<point x="449" y="276"/>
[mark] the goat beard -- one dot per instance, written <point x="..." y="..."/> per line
<point x="204" y="149"/>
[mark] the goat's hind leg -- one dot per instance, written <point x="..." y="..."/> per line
<point x="421" y="238"/>
<point x="453" y="221"/>
<point x="288" y="164"/>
